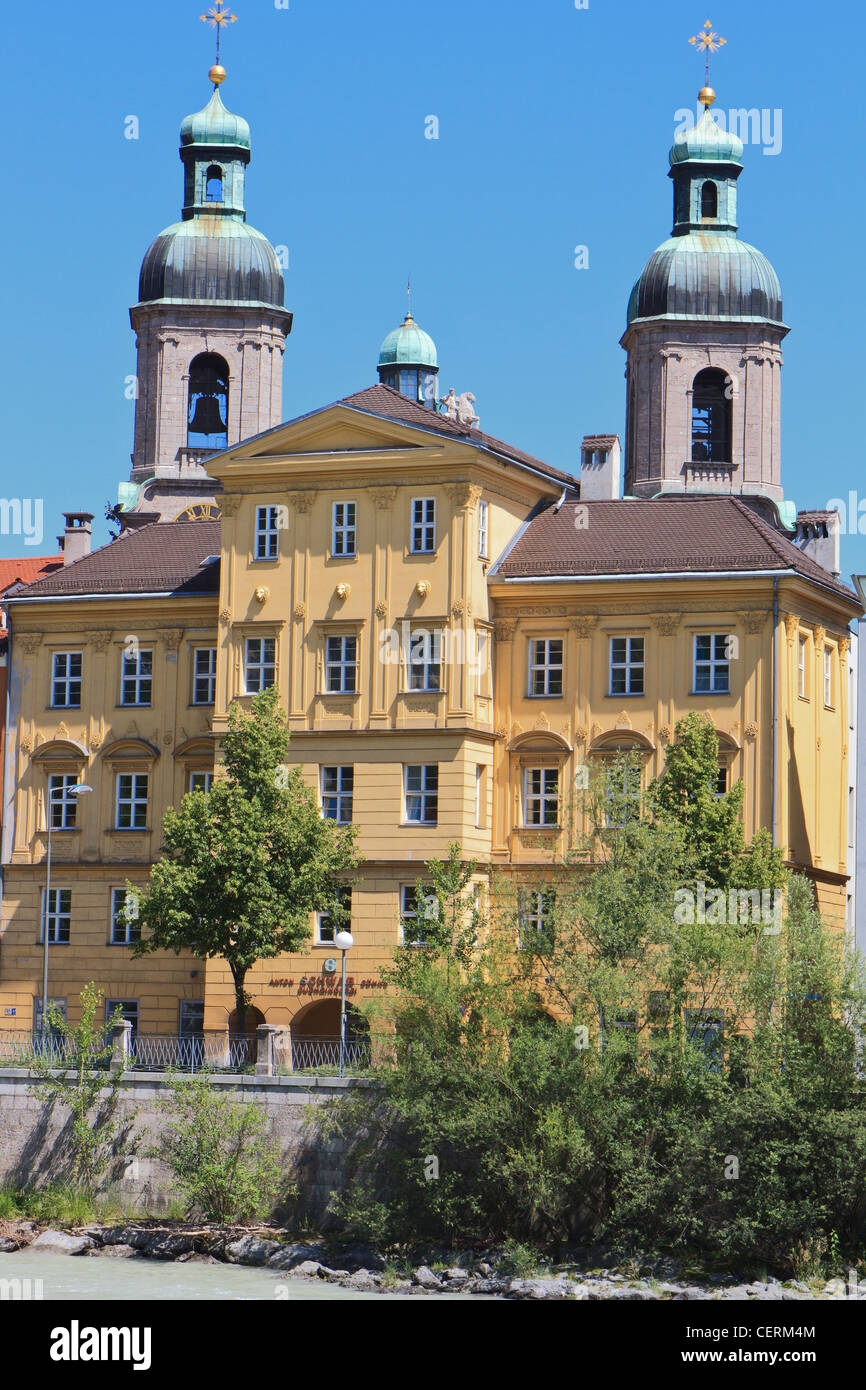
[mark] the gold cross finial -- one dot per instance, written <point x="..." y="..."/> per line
<point x="707" y="41"/>
<point x="217" y="17"/>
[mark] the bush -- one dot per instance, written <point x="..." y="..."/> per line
<point x="218" y="1152"/>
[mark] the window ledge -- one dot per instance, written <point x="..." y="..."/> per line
<point x="128" y="830"/>
<point x="418" y="824"/>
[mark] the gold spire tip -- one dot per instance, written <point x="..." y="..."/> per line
<point x="707" y="41"/>
<point x="218" y="16"/>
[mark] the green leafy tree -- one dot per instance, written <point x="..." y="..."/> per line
<point x="219" y="1152"/>
<point x="596" y="1081"/>
<point x="247" y="862"/>
<point x="84" y="1086"/>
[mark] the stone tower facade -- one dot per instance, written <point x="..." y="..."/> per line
<point x="210" y="327"/>
<point x="703" y="409"/>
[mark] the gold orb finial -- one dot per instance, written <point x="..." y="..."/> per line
<point x="706" y="96"/>
<point x="218" y="16"/>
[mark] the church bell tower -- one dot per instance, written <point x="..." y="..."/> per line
<point x="210" y="327"/>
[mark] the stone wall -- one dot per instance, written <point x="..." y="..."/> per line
<point x="34" y="1137"/>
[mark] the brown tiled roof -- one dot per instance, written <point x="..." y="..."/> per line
<point x="391" y="405"/>
<point x="662" y="535"/>
<point x="165" y="557"/>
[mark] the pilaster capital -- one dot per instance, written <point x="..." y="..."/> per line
<point x="382" y="497"/>
<point x="229" y="503"/>
<point x="302" y="501"/>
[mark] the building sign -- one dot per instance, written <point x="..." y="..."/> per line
<point x="326" y="985"/>
<point x="10" y="1013"/>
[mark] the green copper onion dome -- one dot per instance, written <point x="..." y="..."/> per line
<point x="408" y="346"/>
<point x="213" y="253"/>
<point x="703" y="271"/>
<point x="215" y="125"/>
<point x="708" y="143"/>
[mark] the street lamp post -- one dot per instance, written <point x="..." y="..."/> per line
<point x="344" y="941"/>
<point x="78" y="790"/>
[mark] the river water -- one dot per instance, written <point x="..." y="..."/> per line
<point x="87" y="1277"/>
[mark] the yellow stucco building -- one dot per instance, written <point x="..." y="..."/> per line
<point x="457" y="629"/>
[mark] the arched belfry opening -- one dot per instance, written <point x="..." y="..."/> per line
<point x="208" y="402"/>
<point x="711" y="417"/>
<point x="710" y="199"/>
<point x="214" y="184"/>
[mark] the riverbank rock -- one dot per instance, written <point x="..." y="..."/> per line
<point x="308" y="1269"/>
<point x="363" y="1280"/>
<point x="424" y="1278"/>
<point x="251" y="1250"/>
<point x="61" y="1243"/>
<point x="546" y="1289"/>
<point x="167" y="1246"/>
<point x="135" y="1236"/>
<point x="115" y="1252"/>
<point x="290" y="1256"/>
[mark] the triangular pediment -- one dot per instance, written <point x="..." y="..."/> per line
<point x="335" y="429"/>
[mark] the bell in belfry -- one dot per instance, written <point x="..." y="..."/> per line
<point x="206" y="417"/>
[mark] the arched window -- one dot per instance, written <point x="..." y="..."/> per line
<point x="208" y="402"/>
<point x="214" y="184"/>
<point x="710" y="199"/>
<point x="711" y="417"/>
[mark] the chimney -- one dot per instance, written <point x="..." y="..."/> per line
<point x="75" y="541"/>
<point x="600" y="468"/>
<point x="817" y="535"/>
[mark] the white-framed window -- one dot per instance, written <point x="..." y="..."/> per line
<point x="204" y="676"/>
<point x="545" y="666"/>
<point x="421" y="793"/>
<point x="260" y="666"/>
<point x="131" y="801"/>
<point x="66" y="680"/>
<point x="712" y="663"/>
<point x="537" y="909"/>
<point x="482" y="661"/>
<point x="802" y="653"/>
<point x="128" y="1011"/>
<point x="337" y="918"/>
<point x="828" y="677"/>
<point x="423" y="539"/>
<point x="484" y="530"/>
<point x="61" y="805"/>
<point x="200" y="781"/>
<point x="58" y="916"/>
<point x="125" y="926"/>
<point x="418" y="906"/>
<point x="341" y="665"/>
<point x="136" y="686"/>
<point x="267" y="537"/>
<point x="337" y="792"/>
<point x="424" y="664"/>
<point x="541" y="796"/>
<point x="627" y="666"/>
<point x="344" y="529"/>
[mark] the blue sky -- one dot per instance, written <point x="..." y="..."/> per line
<point x="554" y="127"/>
